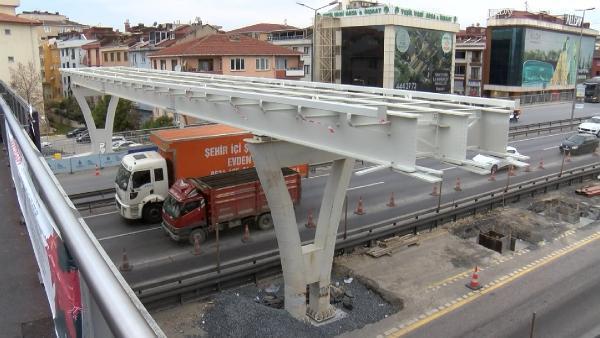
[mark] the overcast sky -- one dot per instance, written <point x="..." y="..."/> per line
<point x="233" y="14"/>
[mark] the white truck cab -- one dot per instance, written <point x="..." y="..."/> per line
<point x="141" y="186"/>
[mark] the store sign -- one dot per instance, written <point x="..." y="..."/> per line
<point x="473" y="83"/>
<point x="390" y="10"/>
<point x="573" y="20"/>
<point x="503" y="13"/>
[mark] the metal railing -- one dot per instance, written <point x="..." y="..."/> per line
<point x="120" y="310"/>
<point x="204" y="280"/>
<point x="541" y="98"/>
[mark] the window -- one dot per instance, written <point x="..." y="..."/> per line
<point x="237" y="64"/>
<point x="475" y="56"/>
<point x="124" y="56"/>
<point x="11" y="59"/>
<point x="460" y="54"/>
<point x="139" y="178"/>
<point x="155" y="65"/>
<point x="67" y="64"/>
<point x="112" y="56"/>
<point x="281" y="63"/>
<point x="306" y="69"/>
<point x="105" y="57"/>
<point x="189" y="207"/>
<point x="73" y="65"/>
<point x="205" y="65"/>
<point x="163" y="64"/>
<point x="475" y="73"/>
<point x="72" y="53"/>
<point x="173" y="64"/>
<point x="7" y="31"/>
<point x="262" y="64"/>
<point x="459" y="70"/>
<point x="158" y="175"/>
<point x="118" y="56"/>
<point x="295" y="49"/>
<point x="306" y="50"/>
<point x="97" y="57"/>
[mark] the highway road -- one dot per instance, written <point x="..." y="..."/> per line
<point x="154" y="255"/>
<point x="555" y="111"/>
<point x="563" y="293"/>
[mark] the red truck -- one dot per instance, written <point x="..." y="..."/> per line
<point x="196" y="206"/>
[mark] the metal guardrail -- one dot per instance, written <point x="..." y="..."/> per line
<point x="546" y="127"/>
<point x="207" y="279"/>
<point x="541" y="98"/>
<point x="124" y="315"/>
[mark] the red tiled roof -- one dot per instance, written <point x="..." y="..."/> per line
<point x="225" y="44"/>
<point x="17" y="20"/>
<point x="262" y="27"/>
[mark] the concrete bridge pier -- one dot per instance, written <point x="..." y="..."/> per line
<point x="101" y="138"/>
<point x="303" y="265"/>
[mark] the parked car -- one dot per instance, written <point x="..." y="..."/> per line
<point x="579" y="144"/>
<point x="121" y="145"/>
<point x="75" y="132"/>
<point x="46" y="144"/>
<point x="494" y="163"/>
<point x="84" y="137"/>
<point x="591" y="126"/>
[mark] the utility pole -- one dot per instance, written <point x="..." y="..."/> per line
<point x="314" y="33"/>
<point x="577" y="62"/>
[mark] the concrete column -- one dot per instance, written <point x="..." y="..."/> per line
<point x="98" y="136"/>
<point x="286" y="228"/>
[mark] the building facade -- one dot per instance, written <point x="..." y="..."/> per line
<point x="299" y="40"/>
<point x="72" y="55"/>
<point x="18" y="41"/>
<point x="51" y="76"/>
<point x="535" y="53"/>
<point x="52" y="24"/>
<point x="468" y="61"/>
<point x="373" y="44"/>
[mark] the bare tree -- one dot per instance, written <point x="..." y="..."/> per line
<point x="26" y="80"/>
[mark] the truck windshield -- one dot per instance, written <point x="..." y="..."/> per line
<point x="122" y="179"/>
<point x="172" y="207"/>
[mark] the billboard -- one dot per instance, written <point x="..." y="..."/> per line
<point x="550" y="58"/>
<point x="423" y="60"/>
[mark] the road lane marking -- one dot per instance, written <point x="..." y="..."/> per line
<point x="102" y="214"/>
<point x="554" y="147"/>
<point x="539" y="137"/>
<point x="471" y="296"/>
<point x="128" y="233"/>
<point x="365" y="186"/>
<point x="449" y="168"/>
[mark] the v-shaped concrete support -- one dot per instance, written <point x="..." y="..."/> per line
<point x="101" y="138"/>
<point x="303" y="265"/>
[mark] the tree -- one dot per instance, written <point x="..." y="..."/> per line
<point x="162" y="121"/>
<point x="26" y="80"/>
<point x="125" y="116"/>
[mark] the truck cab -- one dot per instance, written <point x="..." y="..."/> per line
<point x="141" y="186"/>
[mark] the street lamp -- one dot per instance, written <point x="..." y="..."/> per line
<point x="577" y="61"/>
<point x="312" y="49"/>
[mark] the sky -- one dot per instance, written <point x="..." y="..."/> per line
<point x="232" y="14"/>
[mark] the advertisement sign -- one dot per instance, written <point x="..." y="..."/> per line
<point x="550" y="58"/>
<point x="423" y="60"/>
<point x="57" y="268"/>
<point x="390" y="10"/>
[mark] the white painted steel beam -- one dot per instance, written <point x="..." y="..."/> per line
<point x="378" y="125"/>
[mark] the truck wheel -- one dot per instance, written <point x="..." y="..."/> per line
<point x="265" y="221"/>
<point x="152" y="213"/>
<point x="197" y="233"/>
<point x="494" y="169"/>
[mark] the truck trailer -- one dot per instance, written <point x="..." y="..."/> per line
<point x="197" y="206"/>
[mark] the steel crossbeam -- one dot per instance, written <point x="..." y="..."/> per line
<point x="390" y="128"/>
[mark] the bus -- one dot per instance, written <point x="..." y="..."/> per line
<point x="592" y="90"/>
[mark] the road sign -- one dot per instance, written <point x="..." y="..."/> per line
<point x="580" y="90"/>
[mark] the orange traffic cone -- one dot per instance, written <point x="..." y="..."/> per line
<point x="391" y="203"/>
<point x="541" y="165"/>
<point x="124" y="266"/>
<point x="310" y="223"/>
<point x="197" y="250"/>
<point x="359" y="208"/>
<point x="528" y="169"/>
<point x="97" y="173"/>
<point x="246" y="235"/>
<point x="568" y="159"/>
<point x="435" y="191"/>
<point x="492" y="176"/>
<point x="474" y="284"/>
<point x="511" y="171"/>
<point x="457" y="185"/>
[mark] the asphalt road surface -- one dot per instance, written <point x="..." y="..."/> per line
<point x="564" y="294"/>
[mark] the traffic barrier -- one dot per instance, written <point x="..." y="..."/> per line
<point x="197" y="250"/>
<point x="246" y="235"/>
<point x="511" y="171"/>
<point x="97" y="172"/>
<point x="541" y="165"/>
<point x="457" y="185"/>
<point x="568" y="158"/>
<point x="392" y="202"/>
<point x="474" y="283"/>
<point x="435" y="191"/>
<point x="359" y="207"/>
<point x="310" y="223"/>
<point x="125" y="265"/>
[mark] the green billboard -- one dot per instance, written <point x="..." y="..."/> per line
<point x="550" y="58"/>
<point x="423" y="60"/>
